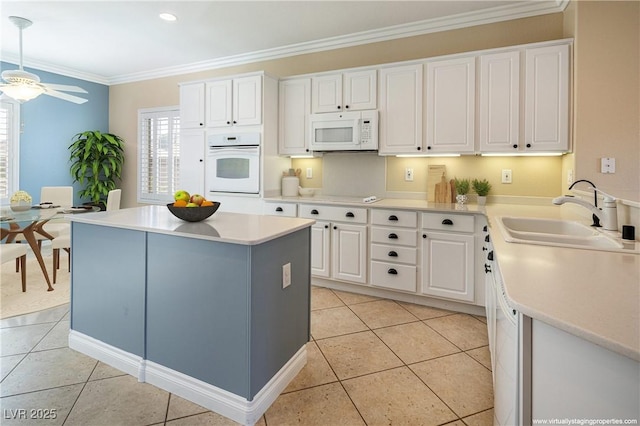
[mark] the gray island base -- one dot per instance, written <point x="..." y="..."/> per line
<point x="201" y="310"/>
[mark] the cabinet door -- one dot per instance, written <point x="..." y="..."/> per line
<point x="499" y="102"/>
<point x="219" y="101"/>
<point x="326" y="93"/>
<point x="400" y="110"/>
<point x="360" y="90"/>
<point x="294" y="107"/>
<point x="192" y="151"/>
<point x="546" y="112"/>
<point x="247" y="101"/>
<point x="451" y="105"/>
<point x="349" y="252"/>
<point x="192" y="100"/>
<point x="320" y="249"/>
<point x="447" y="265"/>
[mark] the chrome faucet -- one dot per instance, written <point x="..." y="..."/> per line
<point x="608" y="214"/>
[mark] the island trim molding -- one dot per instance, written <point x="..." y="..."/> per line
<point x="212" y="397"/>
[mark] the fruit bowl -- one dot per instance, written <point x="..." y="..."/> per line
<point x="193" y="214"/>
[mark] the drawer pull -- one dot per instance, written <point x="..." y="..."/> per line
<point x="393" y="217"/>
<point x="490" y="255"/>
<point x="326" y="227"/>
<point x="424" y="235"/>
<point x="314" y="211"/>
<point x="278" y="209"/>
<point x="392" y="271"/>
<point x="447" y="222"/>
<point x="487" y="268"/>
<point x="393" y="236"/>
<point x="349" y="214"/>
<point x="392" y="254"/>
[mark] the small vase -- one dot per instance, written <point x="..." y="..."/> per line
<point x="20" y="206"/>
<point x="482" y="200"/>
<point x="461" y="198"/>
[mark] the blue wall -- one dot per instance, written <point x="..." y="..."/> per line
<point x="48" y="127"/>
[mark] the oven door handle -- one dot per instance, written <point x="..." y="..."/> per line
<point x="234" y="150"/>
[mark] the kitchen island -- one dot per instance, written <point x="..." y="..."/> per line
<point x="217" y="312"/>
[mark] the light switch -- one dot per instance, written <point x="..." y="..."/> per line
<point x="309" y="173"/>
<point x="607" y="165"/>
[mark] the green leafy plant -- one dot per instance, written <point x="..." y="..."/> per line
<point x="96" y="163"/>
<point x="481" y="187"/>
<point x="462" y="186"/>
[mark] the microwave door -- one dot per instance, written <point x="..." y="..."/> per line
<point x="337" y="135"/>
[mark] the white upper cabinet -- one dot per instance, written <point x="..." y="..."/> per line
<point x="400" y="128"/>
<point x="192" y="105"/>
<point x="546" y="107"/>
<point x="450" y="105"/>
<point x="499" y="105"/>
<point x="236" y="102"/>
<point x="192" y="155"/>
<point x="294" y="107"/>
<point x="351" y="91"/>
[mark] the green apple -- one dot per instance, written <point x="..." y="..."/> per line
<point x="192" y="205"/>
<point x="182" y="195"/>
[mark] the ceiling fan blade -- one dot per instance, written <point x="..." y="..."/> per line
<point x="64" y="96"/>
<point x="64" y="88"/>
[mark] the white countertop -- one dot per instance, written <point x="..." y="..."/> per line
<point x="235" y="228"/>
<point x="589" y="293"/>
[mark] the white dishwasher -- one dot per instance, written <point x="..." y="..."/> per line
<point x="502" y="325"/>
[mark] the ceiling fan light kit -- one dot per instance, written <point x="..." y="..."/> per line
<point x="24" y="86"/>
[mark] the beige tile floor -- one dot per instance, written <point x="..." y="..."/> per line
<point x="370" y="362"/>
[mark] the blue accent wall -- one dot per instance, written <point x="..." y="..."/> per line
<point x="48" y="127"/>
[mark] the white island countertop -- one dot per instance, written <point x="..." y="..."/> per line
<point x="235" y="228"/>
<point x="592" y="294"/>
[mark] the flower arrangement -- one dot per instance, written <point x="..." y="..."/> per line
<point x="21" y="196"/>
<point x="20" y="201"/>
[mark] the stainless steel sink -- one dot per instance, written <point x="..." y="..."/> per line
<point x="556" y="232"/>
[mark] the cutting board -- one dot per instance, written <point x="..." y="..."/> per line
<point x="443" y="191"/>
<point x="434" y="174"/>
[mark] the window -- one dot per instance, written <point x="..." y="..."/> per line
<point x="9" y="149"/>
<point x="159" y="154"/>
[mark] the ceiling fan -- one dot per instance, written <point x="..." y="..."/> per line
<point x="24" y="86"/>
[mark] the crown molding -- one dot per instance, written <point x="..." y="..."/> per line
<point x="487" y="16"/>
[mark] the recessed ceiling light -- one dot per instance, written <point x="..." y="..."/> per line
<point x="168" y="17"/>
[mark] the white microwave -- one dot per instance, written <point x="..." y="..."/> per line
<point x="344" y="131"/>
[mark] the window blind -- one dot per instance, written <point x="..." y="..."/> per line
<point x="159" y="154"/>
<point x="9" y="158"/>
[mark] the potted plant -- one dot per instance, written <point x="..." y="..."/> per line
<point x="482" y="188"/>
<point x="462" y="189"/>
<point x="96" y="163"/>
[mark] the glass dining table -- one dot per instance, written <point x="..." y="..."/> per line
<point x="31" y="222"/>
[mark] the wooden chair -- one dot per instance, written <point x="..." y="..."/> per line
<point x="8" y="252"/>
<point x="60" y="242"/>
<point x="113" y="199"/>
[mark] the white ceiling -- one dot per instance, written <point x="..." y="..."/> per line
<point x="120" y="41"/>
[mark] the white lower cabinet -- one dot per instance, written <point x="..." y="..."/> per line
<point x="448" y="258"/>
<point x="338" y="242"/>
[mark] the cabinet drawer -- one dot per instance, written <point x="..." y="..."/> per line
<point x="280" y="209"/>
<point x="394" y="254"/>
<point x="393" y="276"/>
<point x="448" y="222"/>
<point x="394" y="218"/>
<point x="333" y="213"/>
<point x="405" y="237"/>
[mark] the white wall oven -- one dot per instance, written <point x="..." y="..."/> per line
<point x="233" y="163"/>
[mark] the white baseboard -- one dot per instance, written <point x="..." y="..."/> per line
<point x="209" y="396"/>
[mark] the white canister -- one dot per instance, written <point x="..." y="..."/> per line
<point x="290" y="186"/>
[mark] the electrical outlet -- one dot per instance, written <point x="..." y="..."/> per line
<point x="309" y="173"/>
<point x="408" y="174"/>
<point x="569" y="176"/>
<point x="286" y="275"/>
<point x="506" y="176"/>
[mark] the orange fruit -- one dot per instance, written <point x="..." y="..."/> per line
<point x="180" y="203"/>
<point x="206" y="203"/>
